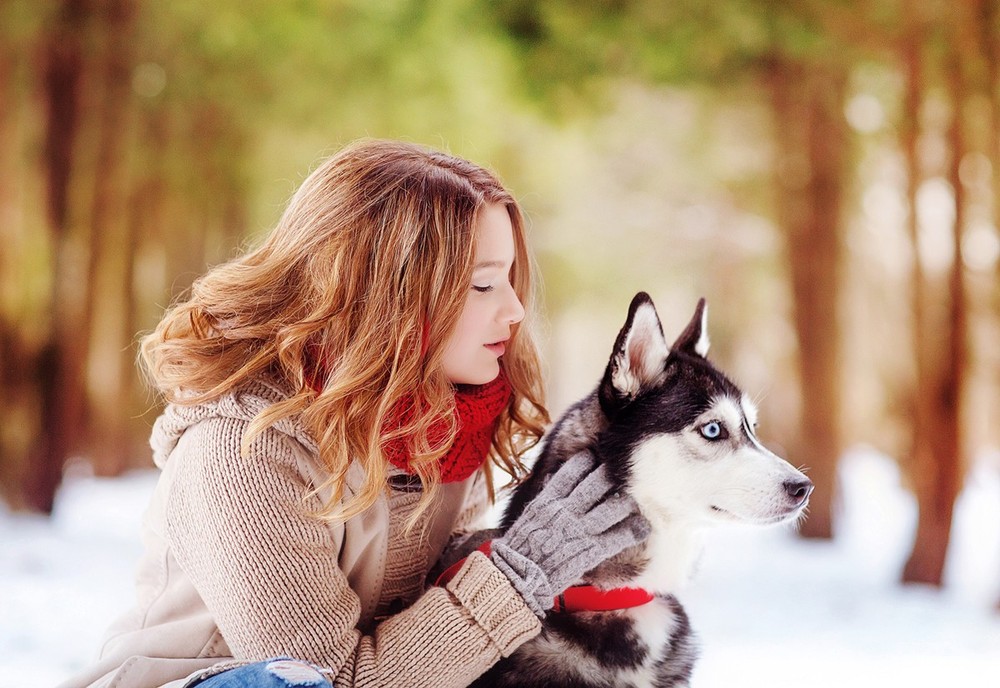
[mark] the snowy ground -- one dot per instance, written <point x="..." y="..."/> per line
<point x="771" y="610"/>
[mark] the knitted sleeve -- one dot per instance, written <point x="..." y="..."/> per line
<point x="268" y="573"/>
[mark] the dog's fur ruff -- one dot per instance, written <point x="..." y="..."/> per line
<point x="678" y="436"/>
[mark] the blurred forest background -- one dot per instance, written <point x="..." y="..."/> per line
<point x="826" y="173"/>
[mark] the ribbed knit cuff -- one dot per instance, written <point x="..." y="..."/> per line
<point x="494" y="603"/>
<point x="525" y="575"/>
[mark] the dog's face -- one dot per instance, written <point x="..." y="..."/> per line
<point x="681" y="434"/>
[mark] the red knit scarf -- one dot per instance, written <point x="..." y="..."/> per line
<point x="478" y="408"/>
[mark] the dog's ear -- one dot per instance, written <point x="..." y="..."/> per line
<point x="694" y="338"/>
<point x="639" y="357"/>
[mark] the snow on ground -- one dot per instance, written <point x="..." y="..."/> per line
<point x="771" y="610"/>
<point x="774" y="610"/>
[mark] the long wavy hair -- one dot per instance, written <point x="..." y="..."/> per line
<point x="349" y="302"/>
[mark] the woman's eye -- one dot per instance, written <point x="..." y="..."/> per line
<point x="482" y="290"/>
<point x="712" y="430"/>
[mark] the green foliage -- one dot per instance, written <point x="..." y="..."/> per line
<point x="570" y="48"/>
<point x="20" y="21"/>
<point x="637" y="133"/>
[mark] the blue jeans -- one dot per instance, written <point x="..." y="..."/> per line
<point x="273" y="673"/>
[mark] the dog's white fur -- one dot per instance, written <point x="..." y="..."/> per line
<point x="683" y="482"/>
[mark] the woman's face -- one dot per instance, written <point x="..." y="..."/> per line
<point x="474" y="348"/>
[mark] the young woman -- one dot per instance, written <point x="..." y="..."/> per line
<point x="335" y="400"/>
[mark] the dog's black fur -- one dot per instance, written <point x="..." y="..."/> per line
<point x="609" y="422"/>
<point x="648" y="390"/>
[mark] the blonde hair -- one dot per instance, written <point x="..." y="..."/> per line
<point x="360" y="283"/>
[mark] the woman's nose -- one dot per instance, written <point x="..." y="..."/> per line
<point x="513" y="309"/>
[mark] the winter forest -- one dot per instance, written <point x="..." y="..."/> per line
<point x="825" y="173"/>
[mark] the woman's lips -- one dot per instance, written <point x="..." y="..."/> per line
<point x="497" y="348"/>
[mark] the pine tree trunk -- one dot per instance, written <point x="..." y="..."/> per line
<point x="109" y="294"/>
<point x="808" y="105"/>
<point x="18" y="428"/>
<point x="990" y="37"/>
<point x="61" y="364"/>
<point x="942" y="364"/>
<point x="7" y="240"/>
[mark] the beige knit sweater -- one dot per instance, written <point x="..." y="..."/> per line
<point x="235" y="569"/>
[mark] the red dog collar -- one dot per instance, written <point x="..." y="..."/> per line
<point x="587" y="598"/>
<point x="578" y="598"/>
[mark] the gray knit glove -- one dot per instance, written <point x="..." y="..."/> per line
<point x="573" y="525"/>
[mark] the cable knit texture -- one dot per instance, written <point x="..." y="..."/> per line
<point x="478" y="408"/>
<point x="237" y="570"/>
<point x="571" y="526"/>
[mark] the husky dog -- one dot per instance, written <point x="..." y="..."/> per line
<point x="678" y="436"/>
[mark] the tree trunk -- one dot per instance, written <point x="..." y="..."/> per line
<point x="942" y="364"/>
<point x="19" y="425"/>
<point x="8" y="240"/>
<point x="808" y="105"/>
<point x="60" y="371"/>
<point x="109" y="294"/>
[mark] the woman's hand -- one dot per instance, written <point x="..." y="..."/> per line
<point x="573" y="525"/>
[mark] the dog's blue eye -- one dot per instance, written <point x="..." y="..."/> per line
<point x="711" y="430"/>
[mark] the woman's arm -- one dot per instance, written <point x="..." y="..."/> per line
<point x="450" y="636"/>
<point x="268" y="572"/>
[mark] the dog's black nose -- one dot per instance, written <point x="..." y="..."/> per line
<point x="798" y="490"/>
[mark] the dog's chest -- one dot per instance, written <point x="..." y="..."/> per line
<point x="662" y="628"/>
<point x="653" y="623"/>
<point x="645" y="646"/>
